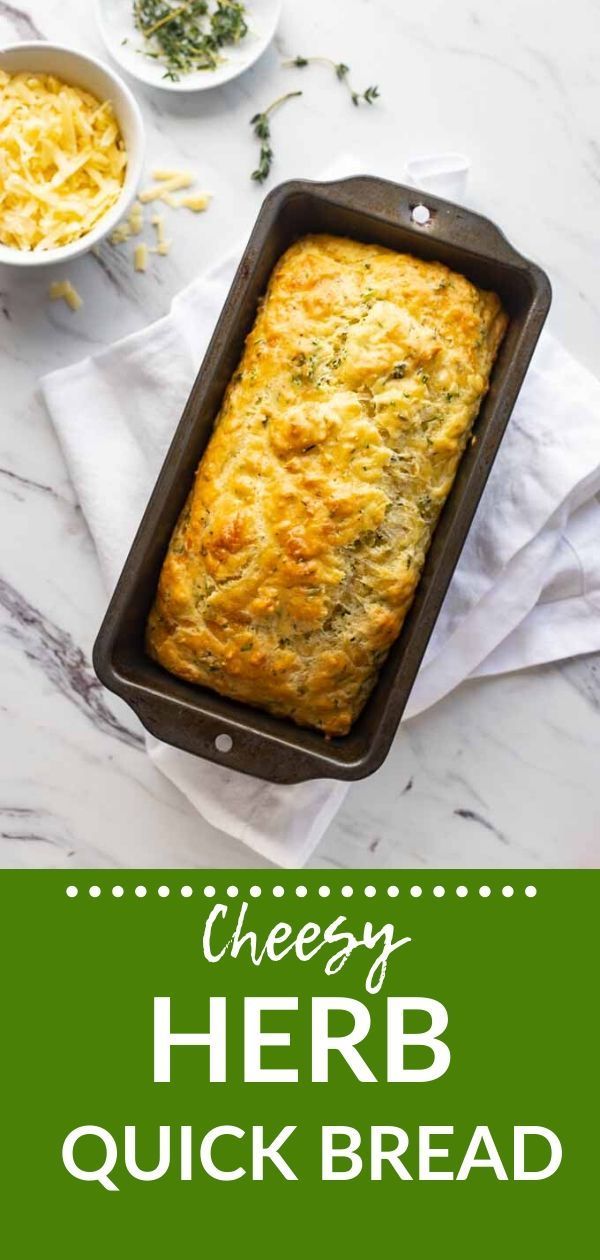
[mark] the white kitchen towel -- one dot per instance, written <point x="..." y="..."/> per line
<point x="527" y="588"/>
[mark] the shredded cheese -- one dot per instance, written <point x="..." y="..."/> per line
<point x="121" y="233"/>
<point x="136" y="218"/>
<point x="62" y="161"/>
<point x="161" y="172"/>
<point x="159" y="192"/>
<point x="194" y="201"/>
<point x="140" y="256"/>
<point x="158" y="222"/>
<point x="170" y="182"/>
<point x="65" y="290"/>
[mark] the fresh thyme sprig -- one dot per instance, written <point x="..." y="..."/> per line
<point x="185" y="36"/>
<point x="262" y="129"/>
<point x="342" y="72"/>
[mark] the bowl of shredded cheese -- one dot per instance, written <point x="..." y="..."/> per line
<point x="71" y="152"/>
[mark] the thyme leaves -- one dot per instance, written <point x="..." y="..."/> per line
<point x="342" y="72"/>
<point x="228" y="22"/>
<point x="260" y="122"/>
<point x="188" y="35"/>
<point x="261" y="126"/>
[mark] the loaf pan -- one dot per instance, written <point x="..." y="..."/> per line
<point x="226" y="731"/>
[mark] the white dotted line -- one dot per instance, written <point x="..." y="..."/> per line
<point x="209" y="891"/>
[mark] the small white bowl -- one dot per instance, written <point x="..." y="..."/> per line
<point x="85" y="72"/>
<point x="123" y="40"/>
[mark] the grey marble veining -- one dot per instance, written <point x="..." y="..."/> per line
<point x="504" y="773"/>
<point x="20" y="22"/>
<point x="62" y="663"/>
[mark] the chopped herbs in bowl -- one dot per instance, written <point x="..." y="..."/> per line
<point x="190" y="35"/>
<point x="187" y="45"/>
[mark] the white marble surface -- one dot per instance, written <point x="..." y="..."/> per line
<point x="505" y="771"/>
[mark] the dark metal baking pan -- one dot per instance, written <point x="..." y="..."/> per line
<point x="192" y="717"/>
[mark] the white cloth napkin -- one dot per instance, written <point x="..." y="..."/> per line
<point x="527" y="588"/>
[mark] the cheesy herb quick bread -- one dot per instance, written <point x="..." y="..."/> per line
<point x="299" y="550"/>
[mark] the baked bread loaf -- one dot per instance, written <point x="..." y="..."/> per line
<point x="297" y="555"/>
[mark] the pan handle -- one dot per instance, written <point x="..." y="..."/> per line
<point x="454" y="224"/>
<point x="247" y="751"/>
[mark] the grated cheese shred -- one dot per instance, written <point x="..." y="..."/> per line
<point x="195" y="201"/>
<point x="121" y="233"/>
<point x="136" y="218"/>
<point x="62" y="161"/>
<point x="162" y="190"/>
<point x="163" y="172"/>
<point x="158" y="222"/>
<point x="140" y="256"/>
<point x="65" y="290"/>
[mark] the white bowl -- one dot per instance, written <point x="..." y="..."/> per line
<point x="85" y="72"/>
<point x="123" y="40"/>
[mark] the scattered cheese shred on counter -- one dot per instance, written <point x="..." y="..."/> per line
<point x="140" y="256"/>
<point x="158" y="192"/>
<point x="136" y="218"/>
<point x="194" y="201"/>
<point x="121" y="233"/>
<point x="158" y="222"/>
<point x="163" y="248"/>
<point x="171" y="181"/>
<point x="162" y="172"/>
<point x="131" y="226"/>
<point x="64" y="289"/>
<point x="62" y="161"/>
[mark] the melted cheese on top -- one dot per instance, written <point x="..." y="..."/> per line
<point x="299" y="551"/>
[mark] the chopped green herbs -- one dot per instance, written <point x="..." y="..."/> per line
<point x="424" y="505"/>
<point x="262" y="130"/>
<point x="228" y="22"/>
<point x="190" y="35"/>
<point x="342" y="72"/>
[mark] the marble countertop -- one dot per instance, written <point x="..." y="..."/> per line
<point x="504" y="772"/>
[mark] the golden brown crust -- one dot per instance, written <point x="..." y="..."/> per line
<point x="298" y="553"/>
